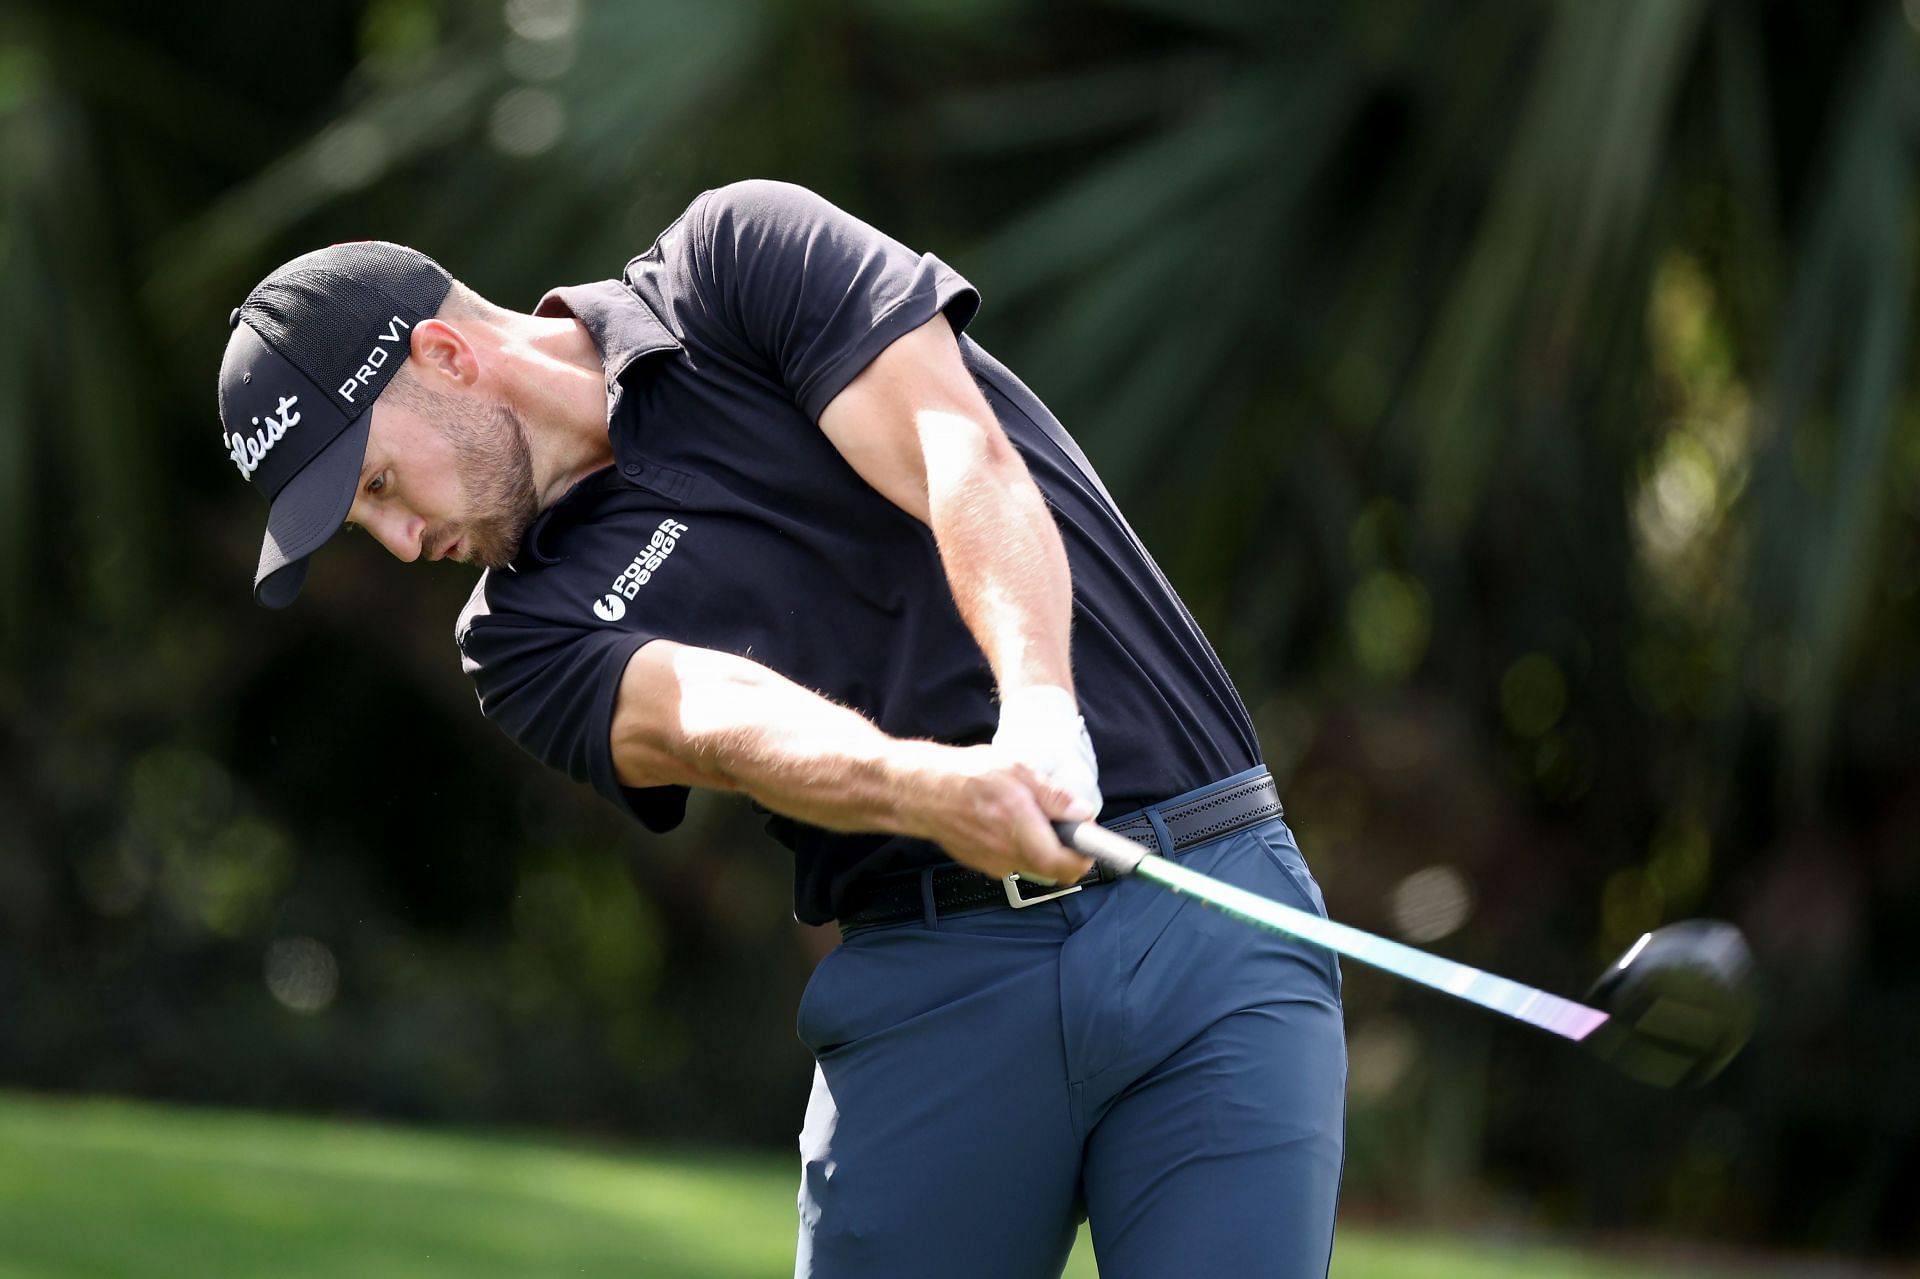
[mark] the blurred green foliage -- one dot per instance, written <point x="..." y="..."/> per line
<point x="1522" y="394"/>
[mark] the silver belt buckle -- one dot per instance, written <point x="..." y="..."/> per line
<point x="1020" y="901"/>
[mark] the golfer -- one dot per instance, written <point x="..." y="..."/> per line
<point x="759" y="517"/>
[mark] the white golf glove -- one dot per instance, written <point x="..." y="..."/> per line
<point x="1041" y="727"/>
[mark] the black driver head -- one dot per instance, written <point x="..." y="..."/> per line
<point x="1680" y="1004"/>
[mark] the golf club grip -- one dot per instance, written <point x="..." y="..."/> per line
<point x="1551" y="1013"/>
<point x="1116" y="852"/>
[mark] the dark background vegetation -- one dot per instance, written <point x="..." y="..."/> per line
<point x="1522" y="394"/>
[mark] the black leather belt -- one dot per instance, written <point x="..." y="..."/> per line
<point x="1187" y="823"/>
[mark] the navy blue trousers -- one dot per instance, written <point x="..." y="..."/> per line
<point x="986" y="1080"/>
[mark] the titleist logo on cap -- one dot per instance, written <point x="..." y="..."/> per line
<point x="248" y="450"/>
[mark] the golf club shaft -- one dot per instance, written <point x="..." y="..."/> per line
<point x="1550" y="1013"/>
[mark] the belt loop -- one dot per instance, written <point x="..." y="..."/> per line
<point x="928" y="914"/>
<point x="1161" y="834"/>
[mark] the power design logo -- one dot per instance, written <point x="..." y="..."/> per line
<point x="248" y="450"/>
<point x="612" y="606"/>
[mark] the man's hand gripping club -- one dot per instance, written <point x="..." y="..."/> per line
<point x="994" y="813"/>
<point x="1040" y="725"/>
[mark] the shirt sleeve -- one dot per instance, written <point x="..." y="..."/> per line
<point x="812" y="290"/>
<point x="552" y="688"/>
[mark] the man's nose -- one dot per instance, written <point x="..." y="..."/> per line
<point x="399" y="533"/>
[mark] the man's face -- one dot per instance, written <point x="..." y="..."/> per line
<point x="446" y="476"/>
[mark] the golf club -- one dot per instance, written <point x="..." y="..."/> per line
<point x="1675" y="1008"/>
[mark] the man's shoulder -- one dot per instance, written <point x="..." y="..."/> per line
<point x="535" y="592"/>
<point x="519" y="620"/>
<point x="754" y="198"/>
<point x="718" y="219"/>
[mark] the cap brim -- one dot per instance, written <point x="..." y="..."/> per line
<point x="308" y="511"/>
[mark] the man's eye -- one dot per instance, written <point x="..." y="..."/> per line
<point x="377" y="484"/>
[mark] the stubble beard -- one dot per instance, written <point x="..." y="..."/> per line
<point x="495" y="466"/>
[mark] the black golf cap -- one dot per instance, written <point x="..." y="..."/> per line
<point x="313" y="346"/>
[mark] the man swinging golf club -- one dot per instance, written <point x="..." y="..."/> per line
<point x="759" y="517"/>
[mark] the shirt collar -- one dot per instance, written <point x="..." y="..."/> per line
<point x="620" y="324"/>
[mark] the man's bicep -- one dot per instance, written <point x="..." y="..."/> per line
<point x="914" y="407"/>
<point x="649" y="735"/>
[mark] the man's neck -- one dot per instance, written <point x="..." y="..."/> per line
<point x="561" y="394"/>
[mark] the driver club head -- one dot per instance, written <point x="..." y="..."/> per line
<point x="1680" y="1004"/>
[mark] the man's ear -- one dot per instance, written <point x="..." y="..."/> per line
<point x="444" y="351"/>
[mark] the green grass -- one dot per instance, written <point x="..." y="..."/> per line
<point x="92" y="1189"/>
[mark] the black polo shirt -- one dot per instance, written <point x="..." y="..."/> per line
<point x="730" y="522"/>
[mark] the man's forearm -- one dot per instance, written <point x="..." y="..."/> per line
<point x="736" y="725"/>
<point x="696" y="717"/>
<point x="1001" y="551"/>
<point x="811" y="759"/>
